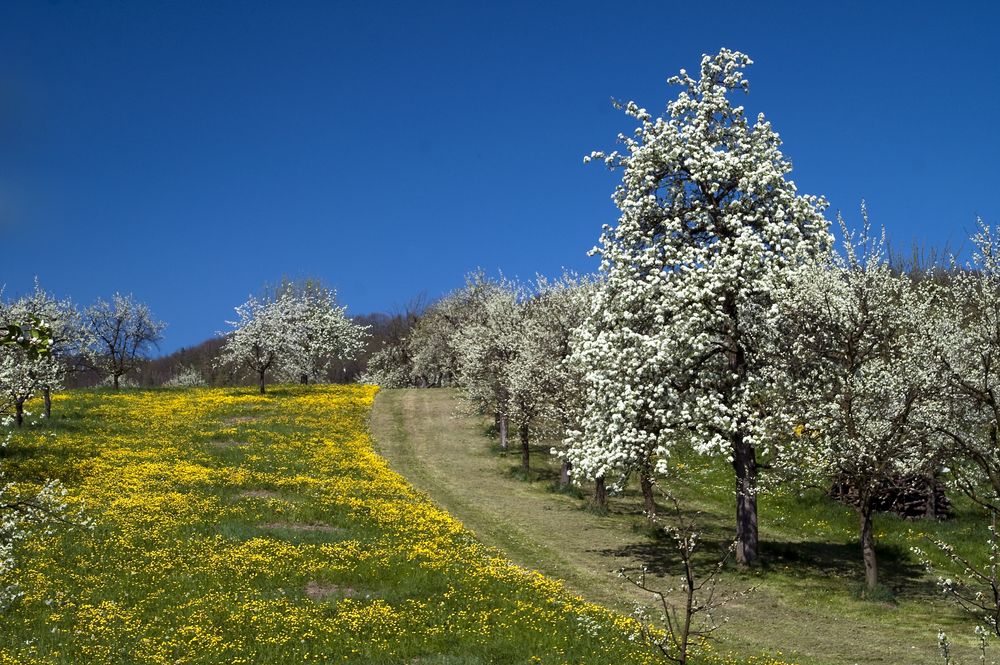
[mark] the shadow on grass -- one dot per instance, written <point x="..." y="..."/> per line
<point x="902" y="578"/>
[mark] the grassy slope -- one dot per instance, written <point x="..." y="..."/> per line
<point x="237" y="528"/>
<point x="806" y="606"/>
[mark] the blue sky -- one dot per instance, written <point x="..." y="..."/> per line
<point x="190" y="152"/>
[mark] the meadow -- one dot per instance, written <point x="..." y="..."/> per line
<point x="231" y="527"/>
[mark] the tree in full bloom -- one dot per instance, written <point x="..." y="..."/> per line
<point x="69" y="338"/>
<point x="324" y="329"/>
<point x="965" y="342"/>
<point x="263" y="335"/>
<point x="707" y="215"/>
<point x="24" y="370"/>
<point x="854" y="397"/>
<point x="23" y="375"/>
<point x="121" y="333"/>
<point x="486" y="342"/>
<point x="545" y="390"/>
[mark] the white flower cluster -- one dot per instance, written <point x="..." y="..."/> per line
<point x="186" y="377"/>
<point x="23" y="373"/>
<point x="296" y="334"/>
<point x="707" y="216"/>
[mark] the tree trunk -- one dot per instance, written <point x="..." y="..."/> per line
<point x="648" y="502"/>
<point x="114" y="381"/>
<point x="525" y="452"/>
<point x="303" y="378"/>
<point x="744" y="454"/>
<point x="19" y="412"/>
<point x="600" y="492"/>
<point x="931" y="507"/>
<point x="47" y="396"/>
<point x="564" y="474"/>
<point x="868" y="546"/>
<point x="502" y="428"/>
<point x="260" y="376"/>
<point x="745" y="465"/>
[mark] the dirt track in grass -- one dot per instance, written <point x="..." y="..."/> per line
<point x="449" y="456"/>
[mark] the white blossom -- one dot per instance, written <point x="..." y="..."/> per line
<point x="707" y="215"/>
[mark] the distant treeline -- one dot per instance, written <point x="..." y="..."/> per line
<point x="385" y="329"/>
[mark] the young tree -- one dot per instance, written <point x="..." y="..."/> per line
<point x="122" y="331"/>
<point x="854" y="398"/>
<point x="688" y="625"/>
<point x="707" y="215"/>
<point x="264" y="335"/>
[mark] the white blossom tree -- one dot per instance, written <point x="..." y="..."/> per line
<point x="707" y="214"/>
<point x="122" y="332"/>
<point x="965" y="342"/>
<point x="69" y="337"/>
<point x="324" y="329"/>
<point x="432" y="344"/>
<point x="389" y="367"/>
<point x="546" y="395"/>
<point x="854" y="398"/>
<point x="486" y="342"/>
<point x="23" y="376"/>
<point x="24" y="372"/>
<point x="263" y="336"/>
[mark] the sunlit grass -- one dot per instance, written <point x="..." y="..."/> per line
<point x="231" y="527"/>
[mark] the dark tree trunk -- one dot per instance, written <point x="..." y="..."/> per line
<point x="564" y="473"/>
<point x="868" y="547"/>
<point x="931" y="508"/>
<point x="304" y="378"/>
<point x="260" y="377"/>
<point x="502" y="429"/>
<point x="47" y="396"/>
<point x="600" y="492"/>
<point x="525" y="452"/>
<point x="114" y="381"/>
<point x="745" y="465"/>
<point x="648" y="502"/>
<point x="19" y="412"/>
<point x="744" y="454"/>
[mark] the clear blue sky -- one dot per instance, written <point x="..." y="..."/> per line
<point x="189" y="152"/>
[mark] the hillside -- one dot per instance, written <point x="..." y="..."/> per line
<point x="806" y="607"/>
<point x="230" y="527"/>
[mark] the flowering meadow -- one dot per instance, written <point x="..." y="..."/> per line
<point x="232" y="527"/>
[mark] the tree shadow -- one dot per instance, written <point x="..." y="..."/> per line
<point x="837" y="565"/>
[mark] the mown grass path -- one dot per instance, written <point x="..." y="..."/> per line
<point x="803" y="607"/>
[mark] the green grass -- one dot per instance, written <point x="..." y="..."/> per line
<point x="809" y="603"/>
<point x="234" y="528"/>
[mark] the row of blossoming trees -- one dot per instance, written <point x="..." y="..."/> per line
<point x="726" y="319"/>
<point x="110" y="337"/>
<point x="293" y="333"/>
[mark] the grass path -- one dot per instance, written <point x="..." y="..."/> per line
<point x="804" y="613"/>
